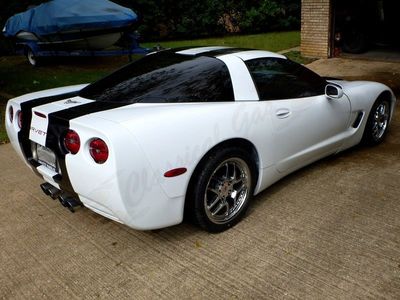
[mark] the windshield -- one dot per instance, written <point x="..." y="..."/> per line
<point x="165" y="77"/>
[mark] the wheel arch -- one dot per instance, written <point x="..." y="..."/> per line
<point x="234" y="142"/>
<point x="385" y="95"/>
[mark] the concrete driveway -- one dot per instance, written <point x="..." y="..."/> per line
<point x="329" y="231"/>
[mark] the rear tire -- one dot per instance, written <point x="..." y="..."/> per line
<point x="222" y="189"/>
<point x="378" y="122"/>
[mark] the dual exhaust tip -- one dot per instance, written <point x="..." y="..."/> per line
<point x="65" y="199"/>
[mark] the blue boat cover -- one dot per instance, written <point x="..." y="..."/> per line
<point x="63" y="15"/>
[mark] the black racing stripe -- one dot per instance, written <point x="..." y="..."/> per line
<point x="212" y="53"/>
<point x="23" y="134"/>
<point x="224" y="51"/>
<point x="59" y="124"/>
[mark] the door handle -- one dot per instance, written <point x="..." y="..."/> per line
<point x="283" y="113"/>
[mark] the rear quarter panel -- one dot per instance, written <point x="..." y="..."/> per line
<point x="179" y="135"/>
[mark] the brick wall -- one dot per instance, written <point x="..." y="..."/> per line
<point x="315" y="28"/>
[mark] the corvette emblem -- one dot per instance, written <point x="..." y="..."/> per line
<point x="69" y="101"/>
<point x="38" y="131"/>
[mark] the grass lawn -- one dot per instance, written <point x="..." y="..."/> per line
<point x="296" y="56"/>
<point x="274" y="41"/>
<point x="3" y="134"/>
<point x="17" y="77"/>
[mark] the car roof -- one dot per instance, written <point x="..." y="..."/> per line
<point x="216" y="51"/>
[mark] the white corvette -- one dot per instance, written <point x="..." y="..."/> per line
<point x="192" y="132"/>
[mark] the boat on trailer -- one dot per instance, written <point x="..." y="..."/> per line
<point x="72" y="24"/>
<point x="73" y="28"/>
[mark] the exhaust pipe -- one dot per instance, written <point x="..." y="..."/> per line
<point x="50" y="190"/>
<point x="45" y="188"/>
<point x="69" y="202"/>
<point x="65" y="199"/>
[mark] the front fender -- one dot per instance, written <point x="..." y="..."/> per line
<point x="363" y="94"/>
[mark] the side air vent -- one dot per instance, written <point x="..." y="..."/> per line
<point x="358" y="119"/>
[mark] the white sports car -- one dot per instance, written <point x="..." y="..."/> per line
<point x="193" y="132"/>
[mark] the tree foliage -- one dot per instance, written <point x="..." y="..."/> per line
<point x="195" y="18"/>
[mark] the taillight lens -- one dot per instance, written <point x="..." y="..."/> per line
<point x="11" y="113"/>
<point x="98" y="150"/>
<point x="72" y="142"/>
<point x="19" y="118"/>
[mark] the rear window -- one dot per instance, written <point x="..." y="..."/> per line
<point x="165" y="77"/>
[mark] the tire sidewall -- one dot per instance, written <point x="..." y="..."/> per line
<point x="207" y="168"/>
<point x="368" y="138"/>
<point x="32" y="59"/>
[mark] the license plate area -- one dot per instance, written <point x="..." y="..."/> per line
<point x="46" y="157"/>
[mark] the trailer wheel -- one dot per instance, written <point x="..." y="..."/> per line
<point x="32" y="59"/>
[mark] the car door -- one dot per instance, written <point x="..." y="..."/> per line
<point x="307" y="124"/>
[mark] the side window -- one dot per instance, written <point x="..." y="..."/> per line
<point x="277" y="78"/>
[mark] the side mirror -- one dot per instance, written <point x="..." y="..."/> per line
<point x="333" y="91"/>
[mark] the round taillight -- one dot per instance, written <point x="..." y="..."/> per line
<point x="11" y="113"/>
<point x="72" y="142"/>
<point x="98" y="150"/>
<point x="19" y="118"/>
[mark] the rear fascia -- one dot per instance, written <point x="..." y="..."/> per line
<point x="125" y="187"/>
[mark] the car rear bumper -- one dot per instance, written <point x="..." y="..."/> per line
<point x="125" y="188"/>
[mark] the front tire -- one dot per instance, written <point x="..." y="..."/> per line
<point x="378" y="122"/>
<point x="223" y="189"/>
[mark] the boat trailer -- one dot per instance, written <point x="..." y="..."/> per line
<point x="34" y="51"/>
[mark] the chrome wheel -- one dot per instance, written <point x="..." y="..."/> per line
<point x="227" y="190"/>
<point x="380" y="120"/>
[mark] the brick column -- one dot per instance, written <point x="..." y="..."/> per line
<point x="315" y="28"/>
